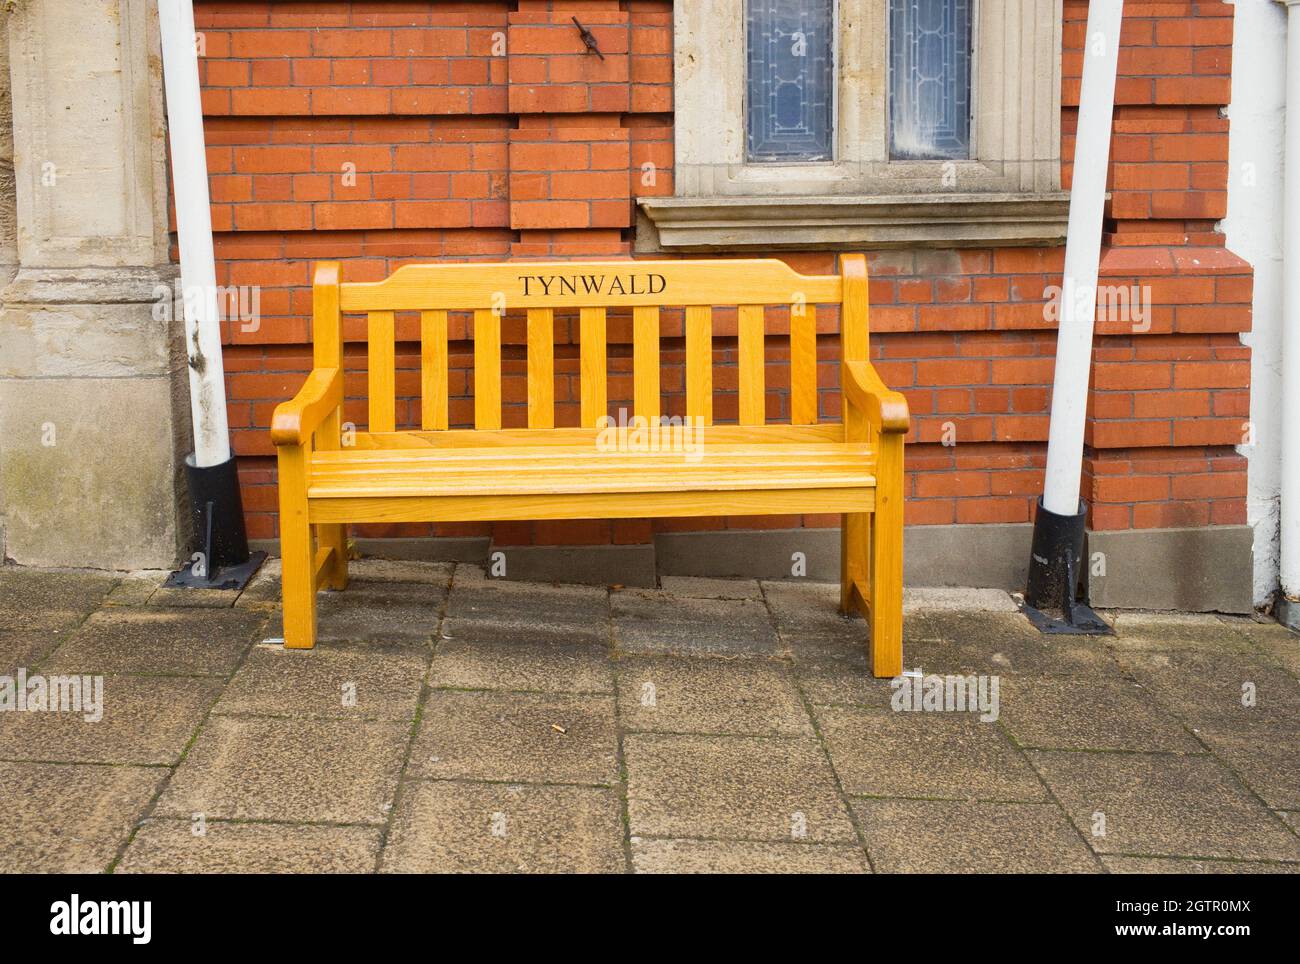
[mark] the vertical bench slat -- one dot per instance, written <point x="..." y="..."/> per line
<point x="381" y="374"/>
<point x="699" y="362"/>
<point x="433" y="370"/>
<point x="541" y="368"/>
<point x="750" y="344"/>
<point x="591" y="338"/>
<point x="803" y="364"/>
<point x="487" y="369"/>
<point x="645" y="362"/>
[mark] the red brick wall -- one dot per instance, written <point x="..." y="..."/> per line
<point x="480" y="130"/>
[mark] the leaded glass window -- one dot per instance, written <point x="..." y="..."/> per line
<point x="929" y="78"/>
<point x="790" y="82"/>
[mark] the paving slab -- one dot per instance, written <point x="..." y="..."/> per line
<point x="1264" y="751"/>
<point x="957" y="599"/>
<point x="34" y="599"/>
<point x="739" y="787"/>
<point x="1168" y="631"/>
<point x="676" y="695"/>
<point x="188" y="643"/>
<point x="488" y="656"/>
<point x="196" y="597"/>
<point x="263" y="590"/>
<point x="999" y="642"/>
<point x="167" y="846"/>
<point x="811" y="610"/>
<point x="704" y="587"/>
<point x="517" y="737"/>
<point x="1275" y="641"/>
<point x="967" y="837"/>
<point x="949" y="755"/>
<point x="251" y="768"/>
<point x="146" y="720"/>
<point x="1163" y="805"/>
<point x="374" y="681"/>
<point x="400" y="570"/>
<point x="382" y="612"/>
<point x="841" y="679"/>
<point x="655" y="856"/>
<point x="656" y="622"/>
<point x="578" y="613"/>
<point x="136" y="588"/>
<point x="25" y="649"/>
<point x="1200" y="686"/>
<point x="70" y="819"/>
<point x="1175" y="865"/>
<point x="1073" y="713"/>
<point x="454" y="827"/>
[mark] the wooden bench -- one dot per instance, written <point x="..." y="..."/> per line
<point x="441" y="474"/>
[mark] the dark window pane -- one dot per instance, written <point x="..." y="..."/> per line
<point x="929" y="78"/>
<point x="790" y="78"/>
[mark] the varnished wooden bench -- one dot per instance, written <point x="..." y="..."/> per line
<point x="440" y="474"/>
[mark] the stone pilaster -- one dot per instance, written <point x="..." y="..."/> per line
<point x="93" y="416"/>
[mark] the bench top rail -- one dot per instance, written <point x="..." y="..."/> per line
<point x="579" y="284"/>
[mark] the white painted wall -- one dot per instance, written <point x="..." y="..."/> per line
<point x="1253" y="229"/>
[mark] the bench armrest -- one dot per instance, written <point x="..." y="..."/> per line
<point x="294" y="421"/>
<point x="865" y="391"/>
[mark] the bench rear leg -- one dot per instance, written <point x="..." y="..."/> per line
<point x="334" y="536"/>
<point x="855" y="534"/>
<point x="297" y="555"/>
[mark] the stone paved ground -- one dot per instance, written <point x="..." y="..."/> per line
<point x="446" y="722"/>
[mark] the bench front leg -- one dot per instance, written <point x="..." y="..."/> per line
<point x="332" y="537"/>
<point x="298" y="579"/>
<point x="886" y="559"/>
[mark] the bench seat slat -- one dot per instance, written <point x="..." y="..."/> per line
<point x="592" y="505"/>
<point x="747" y="473"/>
<point x="451" y="473"/>
<point x="558" y="457"/>
<point x="585" y="438"/>
<point x="639" y="480"/>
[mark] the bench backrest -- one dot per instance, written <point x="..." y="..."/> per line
<point x="539" y="289"/>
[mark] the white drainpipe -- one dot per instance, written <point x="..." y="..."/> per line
<point x="1289" y="536"/>
<point x="194" y="230"/>
<point x="1078" y="302"/>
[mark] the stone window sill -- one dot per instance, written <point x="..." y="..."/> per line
<point x="869" y="221"/>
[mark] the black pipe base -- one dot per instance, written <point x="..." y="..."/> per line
<point x="1083" y="621"/>
<point x="222" y="560"/>
<point x="1051" y="601"/>
<point x="227" y="577"/>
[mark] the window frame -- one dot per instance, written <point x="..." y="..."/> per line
<point x="722" y="200"/>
